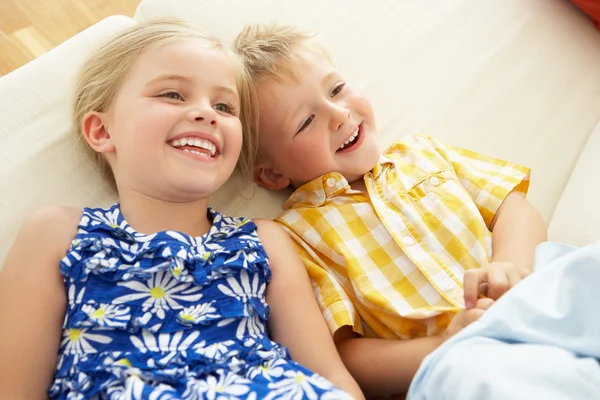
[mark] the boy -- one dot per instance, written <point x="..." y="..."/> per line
<point x="387" y="238"/>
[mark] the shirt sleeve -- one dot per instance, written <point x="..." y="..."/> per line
<point x="336" y="306"/>
<point x="488" y="180"/>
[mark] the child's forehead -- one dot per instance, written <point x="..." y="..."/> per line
<point x="304" y="66"/>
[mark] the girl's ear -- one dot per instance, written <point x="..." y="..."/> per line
<point x="96" y="132"/>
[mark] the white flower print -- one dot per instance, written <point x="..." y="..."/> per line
<point x="198" y="314"/>
<point x="133" y="389"/>
<point x="73" y="296"/>
<point x="204" y="249"/>
<point x="249" y="258"/>
<point x="110" y="218"/>
<point x="243" y="290"/>
<point x="78" y="341"/>
<point x="171" y="344"/>
<point x="269" y="370"/>
<point x="107" y="314"/>
<point x="162" y="290"/>
<point x="226" y="386"/>
<point x="216" y="351"/>
<point x="296" y="385"/>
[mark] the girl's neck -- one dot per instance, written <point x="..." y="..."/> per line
<point x="148" y="215"/>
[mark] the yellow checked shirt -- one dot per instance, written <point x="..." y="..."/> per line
<point x="390" y="262"/>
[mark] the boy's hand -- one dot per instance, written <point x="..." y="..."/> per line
<point x="466" y="317"/>
<point x="492" y="280"/>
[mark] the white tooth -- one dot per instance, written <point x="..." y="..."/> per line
<point x="184" y="141"/>
<point x="175" y="143"/>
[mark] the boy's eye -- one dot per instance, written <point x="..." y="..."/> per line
<point x="306" y="123"/>
<point x="223" y="107"/>
<point x="172" y="95"/>
<point x="337" y="89"/>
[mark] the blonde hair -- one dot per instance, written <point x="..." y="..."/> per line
<point x="105" y="71"/>
<point x="273" y="52"/>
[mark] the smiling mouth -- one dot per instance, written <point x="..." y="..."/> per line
<point x="352" y="140"/>
<point x="200" y="147"/>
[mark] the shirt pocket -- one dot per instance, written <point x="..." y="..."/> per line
<point x="439" y="196"/>
<point x="438" y="184"/>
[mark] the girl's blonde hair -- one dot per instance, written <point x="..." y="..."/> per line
<point x="104" y="72"/>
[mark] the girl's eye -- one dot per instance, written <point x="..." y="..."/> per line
<point x="337" y="89"/>
<point x="226" y="108"/>
<point x="306" y="123"/>
<point x="172" y="95"/>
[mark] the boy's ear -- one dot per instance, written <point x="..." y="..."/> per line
<point x="268" y="178"/>
<point x="96" y="133"/>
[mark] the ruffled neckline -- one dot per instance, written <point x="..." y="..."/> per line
<point x="114" y="217"/>
<point x="118" y="252"/>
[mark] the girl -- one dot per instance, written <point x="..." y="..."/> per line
<point x="159" y="296"/>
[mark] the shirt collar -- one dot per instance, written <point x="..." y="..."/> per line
<point x="315" y="192"/>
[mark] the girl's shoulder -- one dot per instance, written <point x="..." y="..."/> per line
<point x="42" y="240"/>
<point x="54" y="225"/>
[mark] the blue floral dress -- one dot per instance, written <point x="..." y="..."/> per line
<point x="170" y="316"/>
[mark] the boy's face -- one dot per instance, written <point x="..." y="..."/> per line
<point x="317" y="126"/>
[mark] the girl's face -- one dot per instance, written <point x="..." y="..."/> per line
<point x="173" y="131"/>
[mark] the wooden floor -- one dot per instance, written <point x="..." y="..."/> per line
<point x="29" y="28"/>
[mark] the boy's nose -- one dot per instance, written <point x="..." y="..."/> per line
<point x="339" y="117"/>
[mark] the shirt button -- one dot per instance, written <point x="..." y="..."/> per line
<point x="409" y="241"/>
<point x="330" y="182"/>
<point x="434" y="180"/>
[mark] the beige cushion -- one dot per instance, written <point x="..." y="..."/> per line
<point x="576" y="219"/>
<point x="510" y="78"/>
<point x="38" y="162"/>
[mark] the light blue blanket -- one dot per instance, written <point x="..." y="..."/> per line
<point x="539" y="341"/>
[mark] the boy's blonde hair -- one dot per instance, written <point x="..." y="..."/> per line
<point x="273" y="52"/>
<point x="104" y="72"/>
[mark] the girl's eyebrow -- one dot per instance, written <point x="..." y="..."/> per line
<point x="185" y="79"/>
<point x="167" y="77"/>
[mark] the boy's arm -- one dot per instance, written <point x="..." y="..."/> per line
<point x="386" y="367"/>
<point x="517" y="229"/>
<point x="383" y="366"/>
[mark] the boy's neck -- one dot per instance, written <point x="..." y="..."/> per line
<point x="359" y="185"/>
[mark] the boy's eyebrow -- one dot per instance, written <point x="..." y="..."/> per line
<point x="175" y="77"/>
<point x="328" y="76"/>
<point x="229" y="90"/>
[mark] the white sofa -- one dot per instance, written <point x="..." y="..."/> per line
<point x="517" y="79"/>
